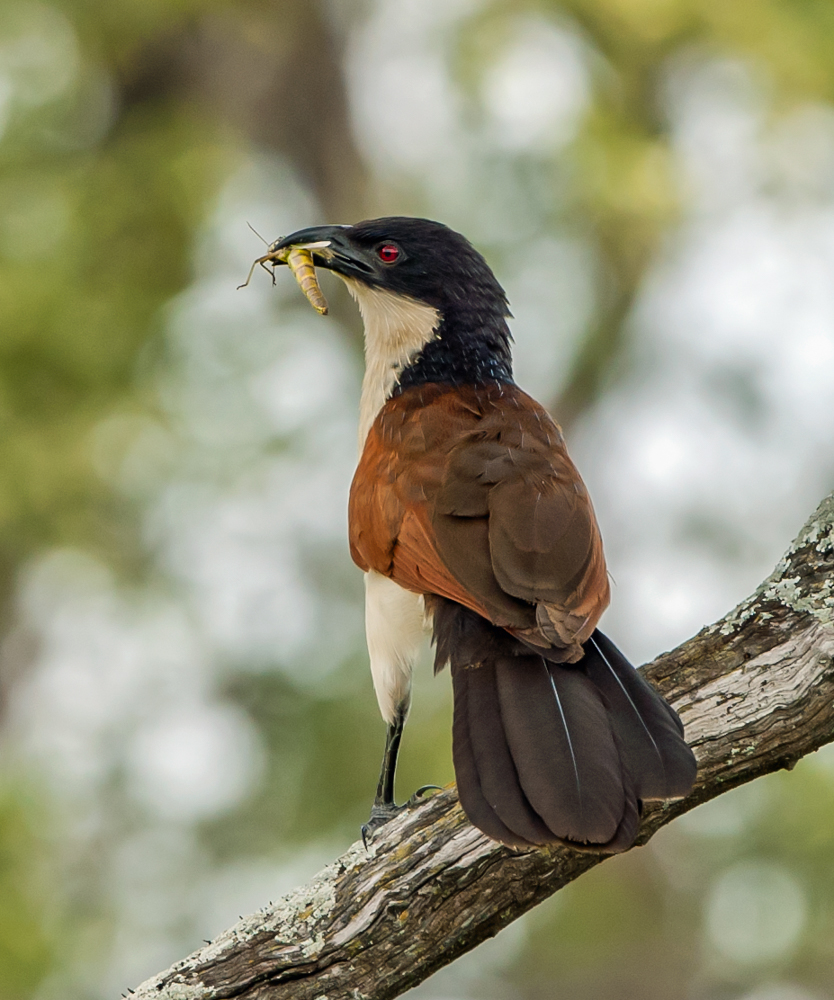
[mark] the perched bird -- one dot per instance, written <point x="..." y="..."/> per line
<point x="466" y="512"/>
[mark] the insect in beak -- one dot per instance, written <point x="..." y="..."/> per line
<point x="299" y="259"/>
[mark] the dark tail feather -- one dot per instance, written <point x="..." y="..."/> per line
<point x="546" y="753"/>
<point x="494" y="759"/>
<point x="567" y="762"/>
<point x="472" y="797"/>
<point x="648" y="729"/>
<point x="536" y="760"/>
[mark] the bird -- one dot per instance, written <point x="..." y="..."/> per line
<point x="467" y="516"/>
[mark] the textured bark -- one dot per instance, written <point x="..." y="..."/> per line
<point x="755" y="692"/>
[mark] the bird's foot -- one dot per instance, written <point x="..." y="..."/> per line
<point x="382" y="812"/>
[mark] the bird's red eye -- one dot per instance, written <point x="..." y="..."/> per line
<point x="388" y="253"/>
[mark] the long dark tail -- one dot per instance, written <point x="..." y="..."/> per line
<point x="547" y="752"/>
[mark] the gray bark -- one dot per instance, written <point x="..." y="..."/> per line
<point x="755" y="692"/>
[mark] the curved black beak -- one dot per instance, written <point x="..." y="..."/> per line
<point x="331" y="248"/>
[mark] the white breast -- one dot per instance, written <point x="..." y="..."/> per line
<point x="396" y="329"/>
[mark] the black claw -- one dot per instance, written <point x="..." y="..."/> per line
<point x="420" y="795"/>
<point x="381" y="813"/>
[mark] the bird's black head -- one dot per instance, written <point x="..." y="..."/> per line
<point x="418" y="258"/>
<point x="428" y="263"/>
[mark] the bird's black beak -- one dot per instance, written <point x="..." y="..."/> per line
<point x="331" y="248"/>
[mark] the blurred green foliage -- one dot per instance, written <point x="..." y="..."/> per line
<point x="122" y="121"/>
<point x="94" y="241"/>
<point x="30" y="945"/>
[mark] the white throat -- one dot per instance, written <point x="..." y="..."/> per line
<point x="396" y="329"/>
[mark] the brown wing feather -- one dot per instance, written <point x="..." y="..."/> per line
<point x="469" y="493"/>
<point x="390" y="528"/>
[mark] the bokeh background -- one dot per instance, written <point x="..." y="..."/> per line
<point x="187" y="725"/>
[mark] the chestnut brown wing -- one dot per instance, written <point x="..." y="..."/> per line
<point x="469" y="493"/>
<point x="391" y="498"/>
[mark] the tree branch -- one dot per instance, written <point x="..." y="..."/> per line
<point x="755" y="692"/>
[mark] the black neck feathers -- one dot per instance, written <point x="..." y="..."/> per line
<point x="470" y="347"/>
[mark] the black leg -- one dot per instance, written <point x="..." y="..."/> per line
<point x="385" y="788"/>
<point x="384" y="807"/>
